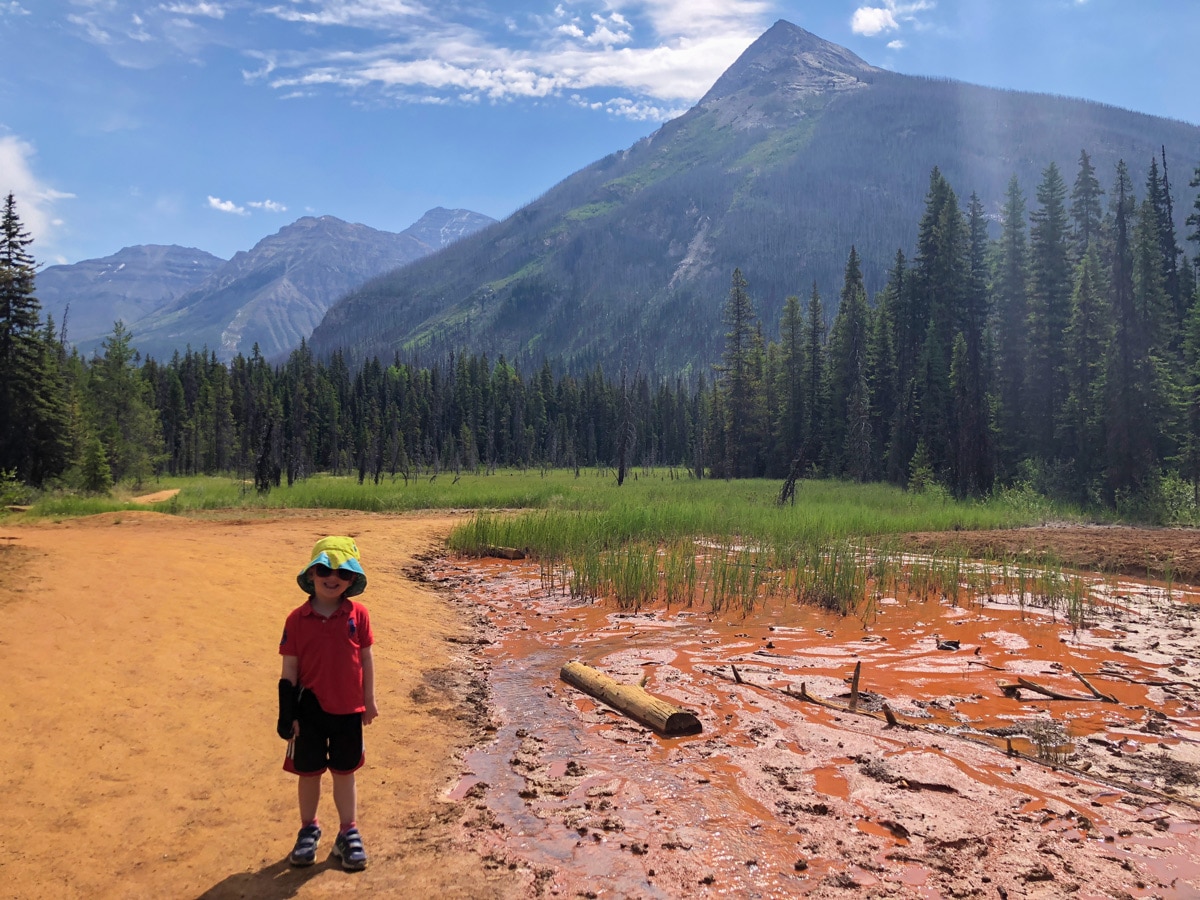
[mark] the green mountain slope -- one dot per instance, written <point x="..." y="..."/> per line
<point x="799" y="151"/>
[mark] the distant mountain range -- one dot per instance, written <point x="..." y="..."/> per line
<point x="272" y="295"/>
<point x="800" y="150"/>
<point x="129" y="285"/>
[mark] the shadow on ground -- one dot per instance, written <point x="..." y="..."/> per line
<point x="278" y="881"/>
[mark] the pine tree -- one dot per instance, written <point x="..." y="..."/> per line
<point x="1049" y="312"/>
<point x="1087" y="343"/>
<point x="848" y="441"/>
<point x="120" y="403"/>
<point x="1158" y="193"/>
<point x="1086" y="211"/>
<point x="740" y="372"/>
<point x="790" y="423"/>
<point x="973" y="467"/>
<point x="1010" y="291"/>
<point x="881" y="382"/>
<point x="1128" y="381"/>
<point x="939" y="281"/>
<point x="34" y="436"/>
<point x="814" y="382"/>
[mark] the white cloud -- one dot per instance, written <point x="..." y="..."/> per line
<point x="655" y="54"/>
<point x="36" y="200"/>
<point x="896" y="45"/>
<point x="660" y="51"/>
<point x="226" y="206"/>
<point x="209" y="10"/>
<point x="872" y="20"/>
<point x="12" y="8"/>
<point x="359" y="13"/>
<point x="267" y="205"/>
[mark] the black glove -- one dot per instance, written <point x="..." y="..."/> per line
<point x="287" y="709"/>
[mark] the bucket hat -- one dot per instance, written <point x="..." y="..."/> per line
<point x="336" y="553"/>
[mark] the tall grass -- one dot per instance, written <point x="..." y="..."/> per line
<point x="725" y="545"/>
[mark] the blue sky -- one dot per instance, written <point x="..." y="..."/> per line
<point x="213" y="123"/>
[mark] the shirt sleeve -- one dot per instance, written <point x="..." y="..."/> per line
<point x="288" y="645"/>
<point x="366" y="635"/>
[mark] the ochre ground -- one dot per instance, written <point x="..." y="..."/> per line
<point x="139" y="756"/>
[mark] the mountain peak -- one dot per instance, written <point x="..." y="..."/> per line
<point x="790" y="63"/>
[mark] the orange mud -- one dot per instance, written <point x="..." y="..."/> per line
<point x="780" y="798"/>
<point x="139" y="756"/>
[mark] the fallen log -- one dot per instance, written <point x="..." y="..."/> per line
<point x="1009" y="690"/>
<point x="631" y="700"/>
<point x="504" y="553"/>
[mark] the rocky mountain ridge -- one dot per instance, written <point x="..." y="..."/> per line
<point x="272" y="295"/>
<point x="800" y="151"/>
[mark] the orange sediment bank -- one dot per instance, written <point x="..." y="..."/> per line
<point x="779" y="797"/>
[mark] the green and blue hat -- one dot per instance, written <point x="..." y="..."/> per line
<point x="336" y="553"/>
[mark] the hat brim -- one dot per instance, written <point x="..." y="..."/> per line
<point x="357" y="586"/>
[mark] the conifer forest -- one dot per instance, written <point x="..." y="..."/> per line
<point x="1055" y="345"/>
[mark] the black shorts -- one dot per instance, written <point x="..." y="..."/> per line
<point x="326" y="741"/>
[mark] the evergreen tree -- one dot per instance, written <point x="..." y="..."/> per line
<point x="790" y="389"/>
<point x="1049" y="312"/>
<point x="121" y="412"/>
<point x="740" y="372"/>
<point x="881" y="381"/>
<point x="1128" y="382"/>
<point x="33" y="435"/>
<point x="848" y="441"/>
<point x="1086" y="211"/>
<point x="814" y="382"/>
<point x="973" y="467"/>
<point x="1158" y="194"/>
<point x="1189" y="456"/>
<point x="1087" y="343"/>
<point x="940" y="282"/>
<point x="1010" y="280"/>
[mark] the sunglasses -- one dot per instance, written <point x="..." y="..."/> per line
<point x="323" y="571"/>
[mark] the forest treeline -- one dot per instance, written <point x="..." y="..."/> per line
<point x="1064" y="354"/>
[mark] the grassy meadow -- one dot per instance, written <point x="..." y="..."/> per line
<point x="661" y="537"/>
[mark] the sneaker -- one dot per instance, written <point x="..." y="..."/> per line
<point x="305" y="851"/>
<point x="349" y="847"/>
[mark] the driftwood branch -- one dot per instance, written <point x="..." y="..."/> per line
<point x="1107" y="698"/>
<point x="631" y="700"/>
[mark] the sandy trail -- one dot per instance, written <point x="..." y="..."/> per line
<point x="140" y="757"/>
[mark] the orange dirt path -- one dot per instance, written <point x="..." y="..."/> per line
<point x="140" y="757"/>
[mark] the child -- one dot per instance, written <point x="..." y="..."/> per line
<point x="327" y="694"/>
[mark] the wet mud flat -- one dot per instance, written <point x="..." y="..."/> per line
<point x="984" y="787"/>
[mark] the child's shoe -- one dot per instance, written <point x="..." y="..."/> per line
<point x="305" y="851"/>
<point x="349" y="847"/>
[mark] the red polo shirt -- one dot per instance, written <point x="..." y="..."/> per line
<point x="330" y="653"/>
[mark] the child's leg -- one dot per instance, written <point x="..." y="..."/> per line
<point x="310" y="796"/>
<point x="345" y="798"/>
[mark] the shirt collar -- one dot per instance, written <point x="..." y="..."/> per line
<point x="343" y="609"/>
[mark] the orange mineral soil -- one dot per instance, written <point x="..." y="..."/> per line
<point x="140" y="758"/>
<point x="975" y="792"/>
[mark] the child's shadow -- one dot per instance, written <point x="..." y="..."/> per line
<point x="278" y="881"/>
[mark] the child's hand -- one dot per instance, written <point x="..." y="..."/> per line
<point x="370" y="713"/>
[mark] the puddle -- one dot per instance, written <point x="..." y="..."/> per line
<point x="777" y="797"/>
